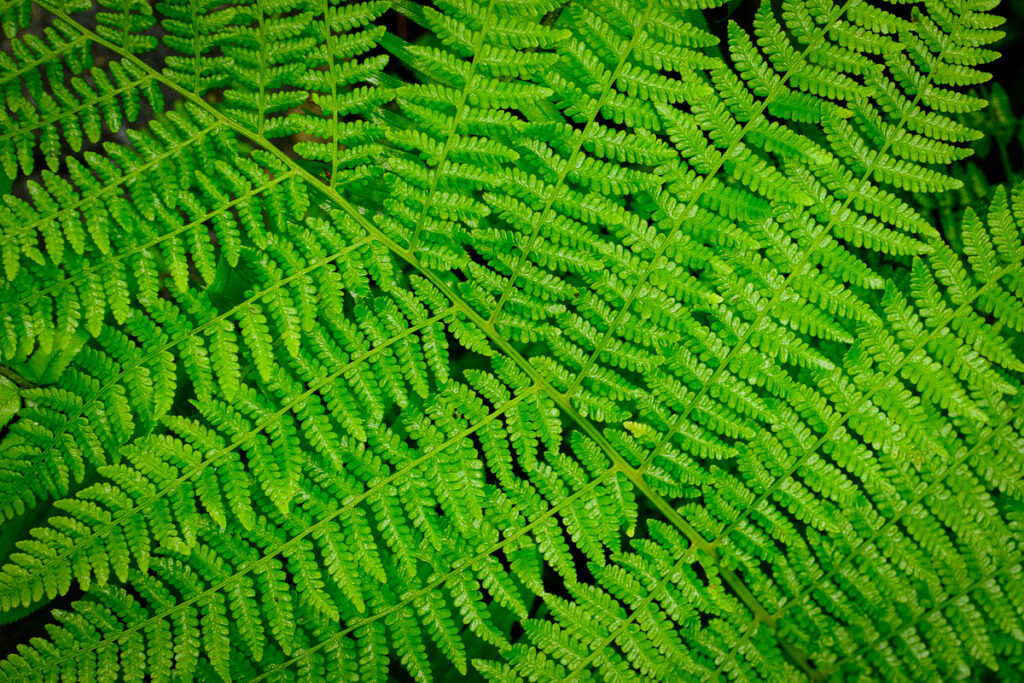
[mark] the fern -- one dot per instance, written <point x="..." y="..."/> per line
<point x="515" y="340"/>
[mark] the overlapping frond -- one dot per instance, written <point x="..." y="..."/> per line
<point x="529" y="340"/>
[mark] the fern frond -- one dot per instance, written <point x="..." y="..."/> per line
<point x="525" y="340"/>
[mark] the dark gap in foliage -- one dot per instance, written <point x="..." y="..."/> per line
<point x="34" y="624"/>
<point x="405" y="28"/>
<point x="718" y="18"/>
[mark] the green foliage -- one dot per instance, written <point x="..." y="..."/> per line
<point x="516" y="340"/>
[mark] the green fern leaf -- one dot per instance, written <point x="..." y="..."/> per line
<point x="521" y="340"/>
